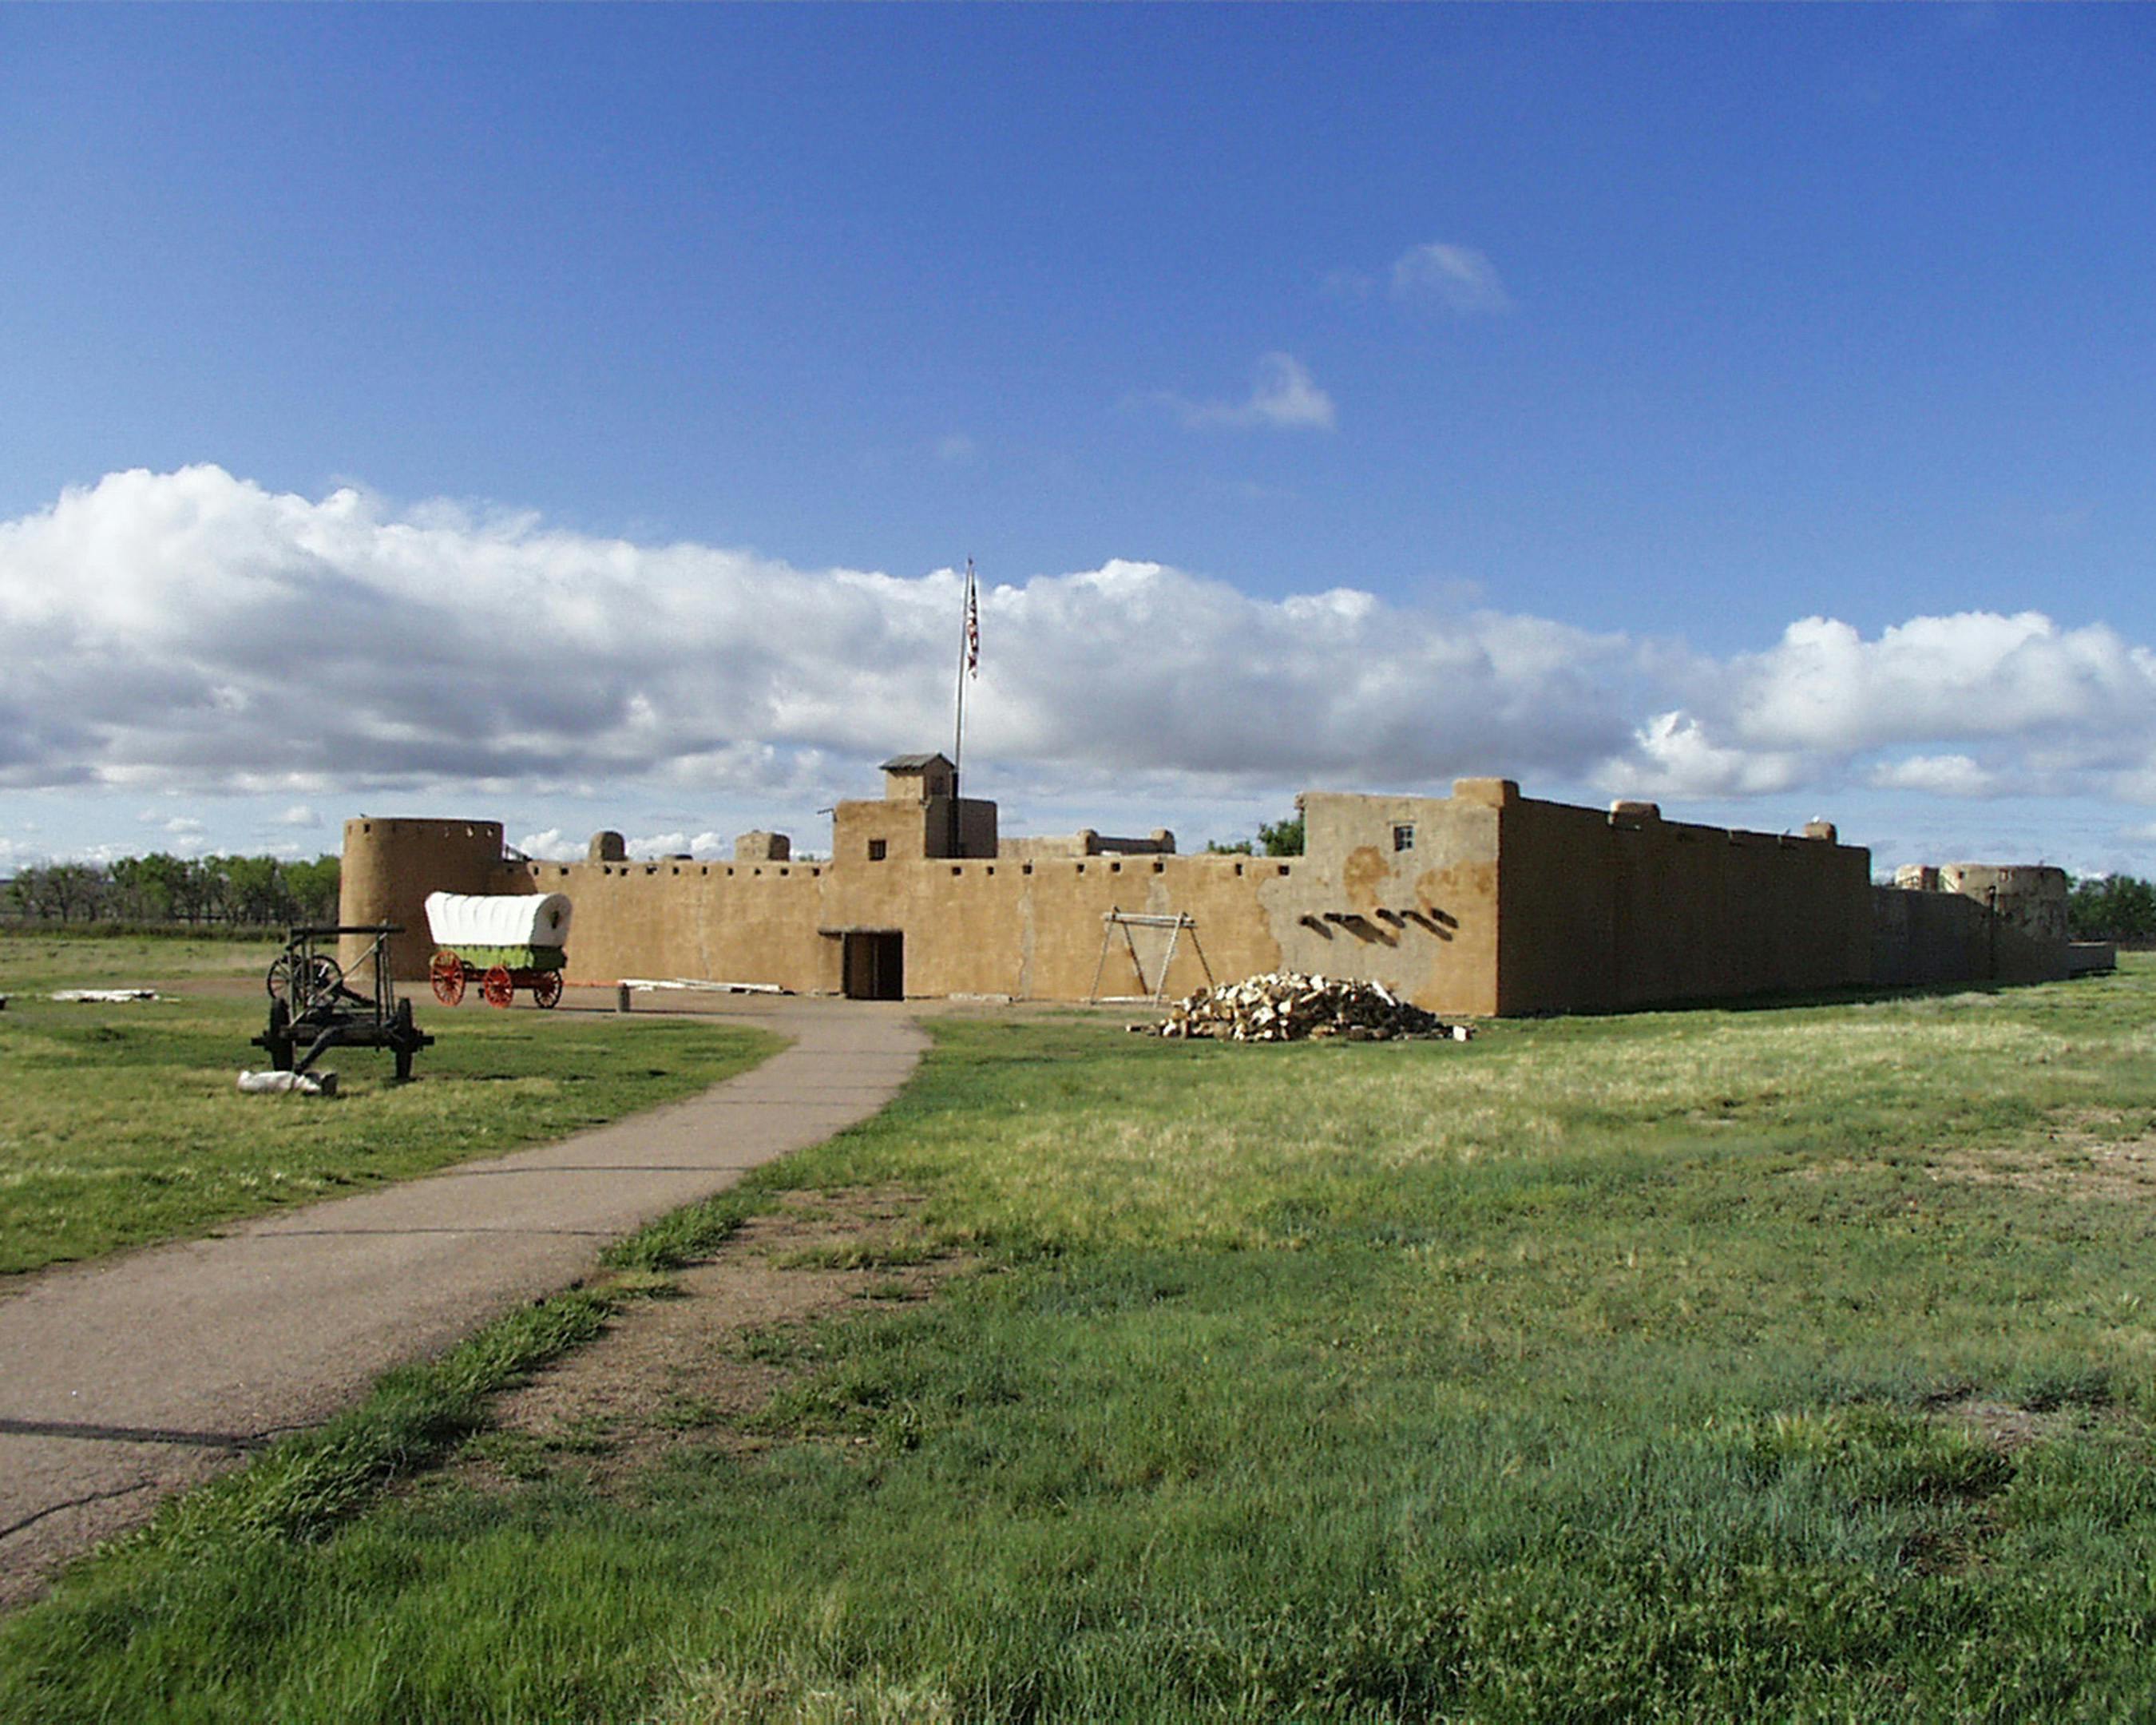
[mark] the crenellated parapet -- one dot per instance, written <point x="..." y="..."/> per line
<point x="1485" y="901"/>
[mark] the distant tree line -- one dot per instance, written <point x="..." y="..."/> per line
<point x="197" y="892"/>
<point x="2113" y="907"/>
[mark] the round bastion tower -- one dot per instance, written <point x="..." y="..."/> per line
<point x="2031" y="897"/>
<point x="389" y="868"/>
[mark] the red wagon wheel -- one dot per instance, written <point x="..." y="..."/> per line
<point x="447" y="973"/>
<point x="547" y="988"/>
<point x="497" y="986"/>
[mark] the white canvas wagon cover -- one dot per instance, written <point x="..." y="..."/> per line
<point x="514" y="919"/>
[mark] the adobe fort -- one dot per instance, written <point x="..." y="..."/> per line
<point x="1484" y="902"/>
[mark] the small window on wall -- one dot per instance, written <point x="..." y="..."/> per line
<point x="1404" y="838"/>
<point x="877" y="847"/>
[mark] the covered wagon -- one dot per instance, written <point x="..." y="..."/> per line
<point x="502" y="941"/>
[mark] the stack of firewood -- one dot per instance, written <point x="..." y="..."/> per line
<point x="1285" y="1006"/>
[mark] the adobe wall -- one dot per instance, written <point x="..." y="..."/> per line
<point x="1032" y="929"/>
<point x="1485" y="902"/>
<point x="1600" y="912"/>
<point x="971" y="927"/>
<point x="1924" y="938"/>
<point x="1971" y="922"/>
<point x="1423" y="920"/>
<point x="736" y="922"/>
<point x="1424" y="924"/>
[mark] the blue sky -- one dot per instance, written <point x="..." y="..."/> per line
<point x="1598" y="346"/>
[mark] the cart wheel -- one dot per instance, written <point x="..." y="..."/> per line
<point x="547" y="988"/>
<point x="302" y="985"/>
<point x="497" y="986"/>
<point x="407" y="1039"/>
<point x="278" y="1044"/>
<point x="447" y="973"/>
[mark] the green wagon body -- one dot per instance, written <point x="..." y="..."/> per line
<point x="512" y="957"/>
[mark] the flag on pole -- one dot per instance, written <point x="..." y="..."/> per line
<point x="973" y="623"/>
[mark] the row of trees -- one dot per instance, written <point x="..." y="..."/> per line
<point x="243" y="891"/>
<point x="2113" y="907"/>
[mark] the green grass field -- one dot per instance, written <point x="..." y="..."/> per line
<point x="122" y="1125"/>
<point x="1788" y="1363"/>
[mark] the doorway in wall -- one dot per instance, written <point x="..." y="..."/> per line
<point x="875" y="965"/>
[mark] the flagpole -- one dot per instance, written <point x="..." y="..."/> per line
<point x="958" y="728"/>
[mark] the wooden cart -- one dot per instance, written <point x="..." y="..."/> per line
<point x="313" y="1009"/>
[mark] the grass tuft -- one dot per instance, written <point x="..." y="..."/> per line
<point x="682" y="1238"/>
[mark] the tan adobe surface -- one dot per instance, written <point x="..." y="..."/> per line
<point x="1478" y="903"/>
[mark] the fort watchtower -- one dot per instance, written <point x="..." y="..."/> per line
<point x="916" y="819"/>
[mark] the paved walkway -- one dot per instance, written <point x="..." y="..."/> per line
<point x="124" y="1380"/>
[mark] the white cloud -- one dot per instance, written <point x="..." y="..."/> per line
<point x="1937" y="775"/>
<point x="502" y="653"/>
<point x="1457" y="277"/>
<point x="183" y="834"/>
<point x="705" y="847"/>
<point x="298" y="815"/>
<point x="553" y="845"/>
<point x="2070" y="710"/>
<point x="1285" y="397"/>
<point x="1672" y="756"/>
<point x="1976" y="674"/>
<point x="469" y="656"/>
